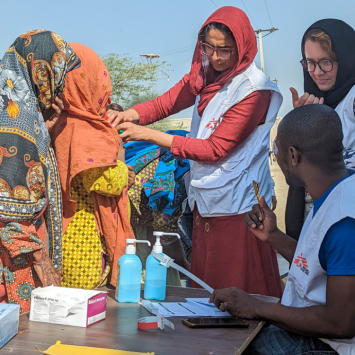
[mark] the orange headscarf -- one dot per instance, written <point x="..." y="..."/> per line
<point x="82" y="140"/>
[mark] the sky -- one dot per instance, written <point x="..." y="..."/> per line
<point x="170" y="28"/>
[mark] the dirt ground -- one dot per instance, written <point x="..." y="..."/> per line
<point x="281" y="189"/>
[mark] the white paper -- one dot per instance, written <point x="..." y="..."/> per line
<point x="208" y="307"/>
<point x="183" y="309"/>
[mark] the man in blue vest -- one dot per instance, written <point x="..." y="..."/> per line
<point x="317" y="310"/>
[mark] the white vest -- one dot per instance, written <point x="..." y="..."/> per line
<point x="225" y="188"/>
<point x="346" y="112"/>
<point x="307" y="281"/>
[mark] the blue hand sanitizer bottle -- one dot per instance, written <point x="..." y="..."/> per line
<point x="155" y="278"/>
<point x="129" y="272"/>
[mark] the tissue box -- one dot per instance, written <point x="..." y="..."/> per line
<point x="68" y="306"/>
<point x="9" y="317"/>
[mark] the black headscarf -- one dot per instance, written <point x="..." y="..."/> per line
<point x="343" y="43"/>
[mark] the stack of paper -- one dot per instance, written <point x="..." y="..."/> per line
<point x="191" y="308"/>
<point x="194" y="307"/>
<point x="208" y="307"/>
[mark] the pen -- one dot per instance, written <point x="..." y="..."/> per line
<point x="257" y="191"/>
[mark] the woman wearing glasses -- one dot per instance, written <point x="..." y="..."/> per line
<point x="328" y="50"/>
<point x="235" y="108"/>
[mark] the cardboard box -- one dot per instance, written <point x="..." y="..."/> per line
<point x="9" y="318"/>
<point x="68" y="306"/>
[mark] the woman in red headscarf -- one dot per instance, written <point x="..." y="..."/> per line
<point x="235" y="108"/>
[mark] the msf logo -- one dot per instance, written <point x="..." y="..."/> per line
<point x="212" y="124"/>
<point x="301" y="262"/>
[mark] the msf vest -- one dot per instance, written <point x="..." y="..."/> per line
<point x="225" y="188"/>
<point x="346" y="112"/>
<point x="307" y="281"/>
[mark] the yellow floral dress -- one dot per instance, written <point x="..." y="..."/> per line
<point x="85" y="261"/>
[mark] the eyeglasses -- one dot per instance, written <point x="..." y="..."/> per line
<point x="221" y="52"/>
<point x="325" y="65"/>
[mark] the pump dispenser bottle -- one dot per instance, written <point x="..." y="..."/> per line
<point x="155" y="279"/>
<point x="129" y="272"/>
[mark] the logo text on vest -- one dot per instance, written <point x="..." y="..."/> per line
<point x="301" y="262"/>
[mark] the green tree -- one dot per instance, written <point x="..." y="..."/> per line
<point x="163" y="125"/>
<point x="130" y="79"/>
<point x="142" y="97"/>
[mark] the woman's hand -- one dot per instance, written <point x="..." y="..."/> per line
<point x="116" y="118"/>
<point x="131" y="176"/>
<point x="133" y="132"/>
<point x="305" y="99"/>
<point x="57" y="107"/>
<point x="44" y="268"/>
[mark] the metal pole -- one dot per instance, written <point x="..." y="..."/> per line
<point x="149" y="58"/>
<point x="261" y="50"/>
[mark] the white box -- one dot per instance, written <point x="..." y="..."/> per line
<point x="9" y="318"/>
<point x="68" y="306"/>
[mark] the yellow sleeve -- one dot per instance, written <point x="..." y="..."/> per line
<point x="108" y="180"/>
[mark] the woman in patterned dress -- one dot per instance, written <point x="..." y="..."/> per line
<point x="32" y="77"/>
<point x="93" y="176"/>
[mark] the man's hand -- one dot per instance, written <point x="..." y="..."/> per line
<point x="236" y="302"/>
<point x="44" y="268"/>
<point x="57" y="107"/>
<point x="131" y="176"/>
<point x="254" y="221"/>
<point x="305" y="99"/>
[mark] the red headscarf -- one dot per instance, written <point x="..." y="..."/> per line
<point x="237" y="21"/>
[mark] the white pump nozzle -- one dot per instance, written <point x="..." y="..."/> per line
<point x="157" y="246"/>
<point x="130" y="248"/>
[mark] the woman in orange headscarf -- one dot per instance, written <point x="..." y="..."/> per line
<point x="93" y="178"/>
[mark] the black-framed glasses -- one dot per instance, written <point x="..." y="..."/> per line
<point x="223" y="53"/>
<point x="325" y="65"/>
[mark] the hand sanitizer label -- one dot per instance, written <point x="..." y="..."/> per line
<point x="167" y="261"/>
